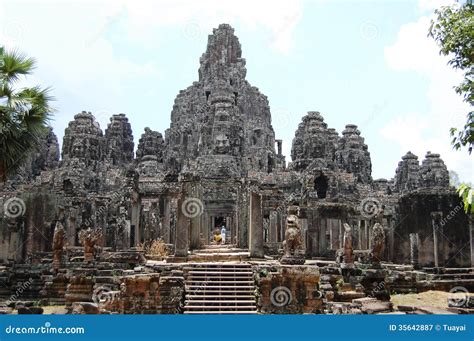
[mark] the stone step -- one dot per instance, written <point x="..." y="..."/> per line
<point x="216" y="288"/>
<point x="447" y="270"/>
<point x="221" y="247"/>
<point x="206" y="307"/>
<point x="212" y="297"/>
<point x="457" y="270"/>
<point x="222" y="272"/>
<point x="453" y="277"/>
<point x="207" y="265"/>
<point x="219" y="291"/>
<point x="222" y="275"/>
<point x="219" y="257"/>
<point x="219" y="302"/>
<point x="222" y="312"/>
<point x="216" y="272"/>
<point x="217" y="280"/>
<point x="218" y="284"/>
<point x="210" y="281"/>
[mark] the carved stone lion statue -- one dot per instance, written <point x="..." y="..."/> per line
<point x="293" y="241"/>
<point x="378" y="243"/>
<point x="89" y="238"/>
<point x="348" y="255"/>
<point x="292" y="233"/>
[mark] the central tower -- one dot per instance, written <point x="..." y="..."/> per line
<point x="221" y="125"/>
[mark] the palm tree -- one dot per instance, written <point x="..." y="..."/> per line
<point x="24" y="113"/>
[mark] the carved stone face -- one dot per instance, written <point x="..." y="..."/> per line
<point x="148" y="168"/>
<point x="316" y="148"/>
<point x="298" y="148"/>
<point x="313" y="127"/>
<point x="221" y="144"/>
<point x="78" y="149"/>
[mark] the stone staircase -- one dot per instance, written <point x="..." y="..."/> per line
<point x="219" y="253"/>
<point x="219" y="288"/>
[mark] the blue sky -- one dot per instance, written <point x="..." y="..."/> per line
<point x="364" y="62"/>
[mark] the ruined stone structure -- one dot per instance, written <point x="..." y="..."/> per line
<point x="58" y="246"/>
<point x="219" y="148"/>
<point x="220" y="164"/>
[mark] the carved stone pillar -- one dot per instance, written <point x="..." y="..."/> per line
<point x="391" y="238"/>
<point x="135" y="220"/>
<point x="182" y="231"/>
<point x="312" y="236"/>
<point x="415" y="250"/>
<point x="273" y="227"/>
<point x="256" y="226"/>
<point x="322" y="236"/>
<point x="194" y="193"/>
<point x="435" y="221"/>
<point x="166" y="221"/>
<point x="304" y="233"/>
<point x="205" y="228"/>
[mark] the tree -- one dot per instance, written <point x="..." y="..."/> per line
<point x="24" y="113"/>
<point x="453" y="30"/>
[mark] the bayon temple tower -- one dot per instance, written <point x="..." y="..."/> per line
<point x="221" y="163"/>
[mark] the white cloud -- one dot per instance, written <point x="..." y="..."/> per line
<point x="73" y="54"/>
<point x="71" y="42"/>
<point x="280" y="17"/>
<point x="428" y="131"/>
<point x="429" y="5"/>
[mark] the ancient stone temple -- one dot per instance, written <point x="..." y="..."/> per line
<point x="102" y="207"/>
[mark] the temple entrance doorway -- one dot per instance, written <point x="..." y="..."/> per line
<point x="213" y="221"/>
<point x="219" y="221"/>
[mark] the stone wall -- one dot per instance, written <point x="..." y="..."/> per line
<point x="288" y="289"/>
<point x="449" y="231"/>
<point x="149" y="294"/>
